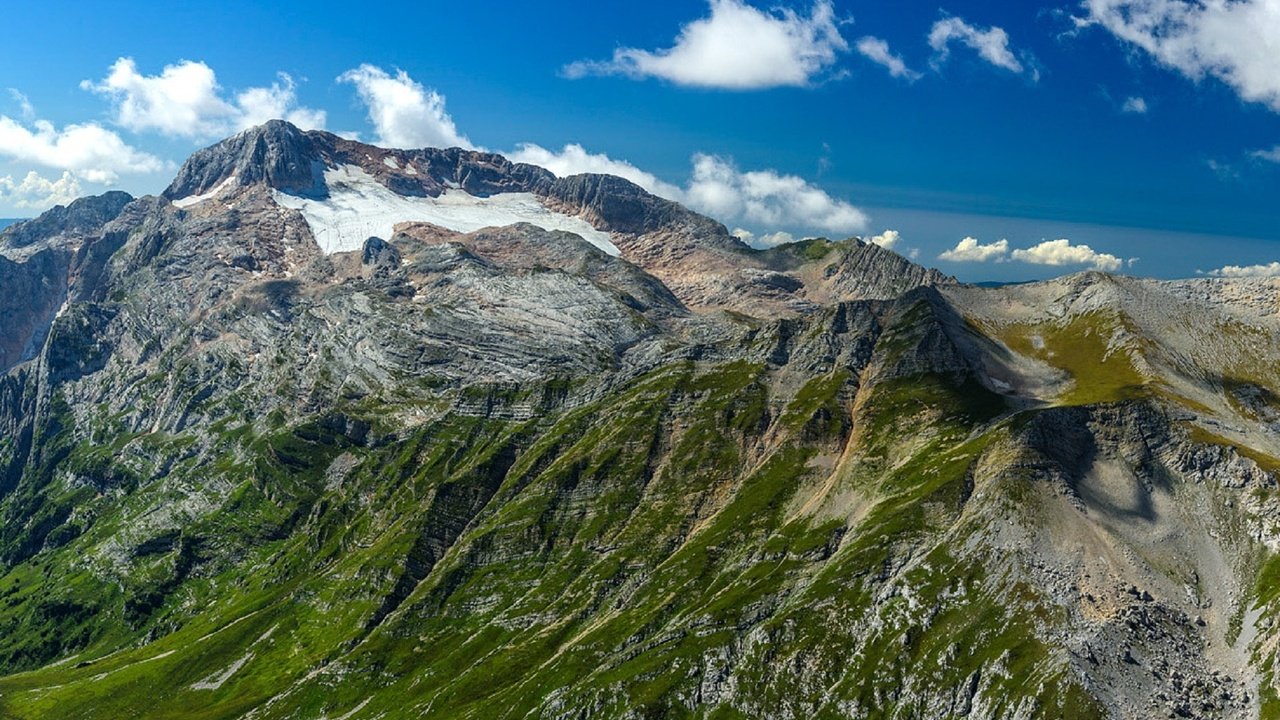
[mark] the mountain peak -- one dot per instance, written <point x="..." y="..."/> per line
<point x="81" y="215"/>
<point x="277" y="153"/>
<point x="347" y="191"/>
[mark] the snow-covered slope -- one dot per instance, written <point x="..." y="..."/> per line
<point x="359" y="207"/>
<point x="191" y="200"/>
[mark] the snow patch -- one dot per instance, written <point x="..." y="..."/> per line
<point x="391" y="162"/>
<point x="190" y="200"/>
<point x="359" y="207"/>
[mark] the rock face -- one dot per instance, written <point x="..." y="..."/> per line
<point x="82" y="217"/>
<point x="504" y="472"/>
<point x="694" y="256"/>
<point x="33" y="292"/>
<point x="283" y="157"/>
<point x="40" y="261"/>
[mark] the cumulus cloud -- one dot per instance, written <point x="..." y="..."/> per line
<point x="185" y="100"/>
<point x="35" y="192"/>
<point x="739" y="47"/>
<point x="1062" y="252"/>
<point x="1233" y="41"/>
<point x="877" y="51"/>
<point x="278" y="102"/>
<point x="573" y="159"/>
<point x="717" y="187"/>
<point x="774" y="239"/>
<point x="969" y="250"/>
<point x="767" y="240"/>
<point x="404" y="113"/>
<point x="888" y="239"/>
<point x="1050" y="252"/>
<point x="991" y="44"/>
<point x="1245" y="271"/>
<point x="765" y="197"/>
<point x="89" y="151"/>
<point x="1135" y="106"/>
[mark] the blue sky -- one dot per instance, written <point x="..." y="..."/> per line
<point x="1140" y="129"/>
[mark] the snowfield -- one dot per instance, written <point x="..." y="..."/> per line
<point x="359" y="207"/>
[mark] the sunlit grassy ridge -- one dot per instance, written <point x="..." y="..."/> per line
<point x="1095" y="349"/>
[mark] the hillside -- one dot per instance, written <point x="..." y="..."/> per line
<point x="331" y="430"/>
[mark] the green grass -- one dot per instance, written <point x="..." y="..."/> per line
<point x="1080" y="347"/>
<point x="608" y="558"/>
<point x="1198" y="434"/>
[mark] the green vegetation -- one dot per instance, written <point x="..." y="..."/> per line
<point x="1200" y="435"/>
<point x="801" y="251"/>
<point x="640" y="553"/>
<point x="1090" y="348"/>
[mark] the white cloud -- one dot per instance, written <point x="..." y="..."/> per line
<point x="36" y="192"/>
<point x="1050" y="252"/>
<point x="403" y="112"/>
<point x="716" y="187"/>
<point x="1238" y="271"/>
<point x="1062" y="252"/>
<point x="1232" y="40"/>
<point x="774" y="239"/>
<point x="574" y="159"/>
<point x="1272" y="155"/>
<point x="185" y="100"/>
<point x="90" y="151"/>
<point x="877" y="51"/>
<point x="1134" y="105"/>
<point x="182" y="101"/>
<point x="991" y="44"/>
<point x="1229" y="171"/>
<point x="765" y="197"/>
<point x="768" y="240"/>
<point x="738" y="47"/>
<point x="24" y="104"/>
<point x="278" y="102"/>
<point x="969" y="250"/>
<point x="887" y="239"/>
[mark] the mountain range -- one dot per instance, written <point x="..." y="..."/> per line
<point x="328" y="430"/>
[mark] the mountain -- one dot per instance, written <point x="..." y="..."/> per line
<point x="6" y="222"/>
<point x="331" y="430"/>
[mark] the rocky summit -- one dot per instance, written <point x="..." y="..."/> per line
<point x="328" y="430"/>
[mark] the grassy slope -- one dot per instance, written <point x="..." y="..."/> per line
<point x="629" y="555"/>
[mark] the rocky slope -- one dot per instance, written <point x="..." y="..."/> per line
<point x="602" y="460"/>
<point x="692" y="255"/>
